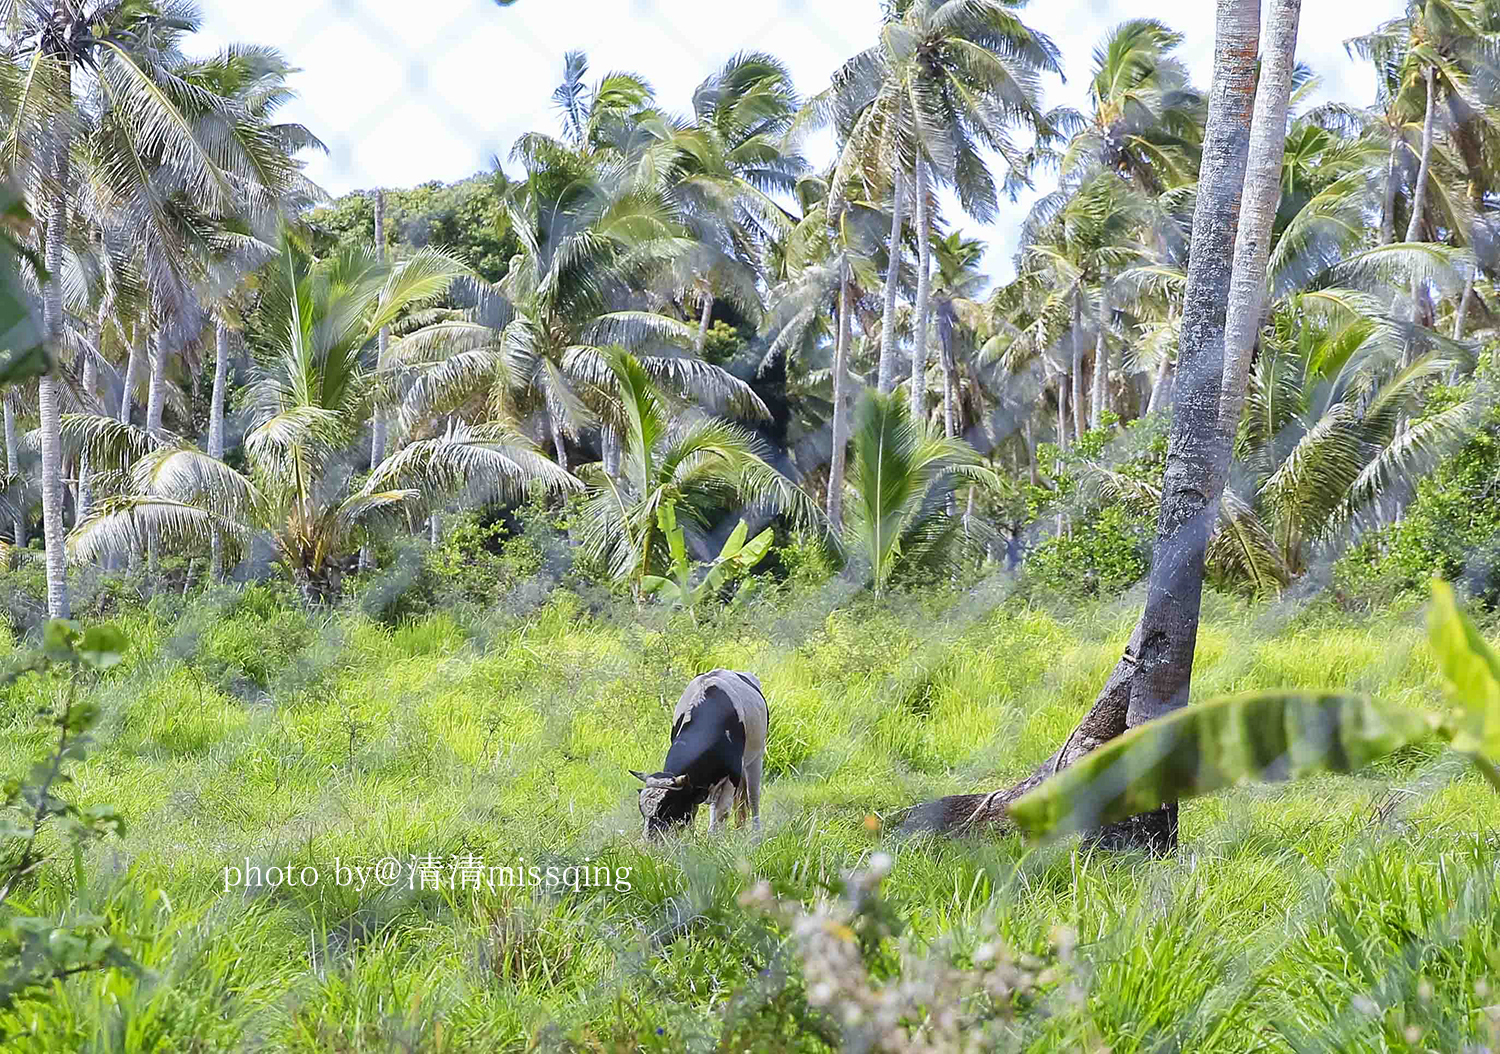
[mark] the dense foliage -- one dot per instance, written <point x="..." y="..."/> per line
<point x="414" y="528"/>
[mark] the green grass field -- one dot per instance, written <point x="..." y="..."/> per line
<point x="1338" y="914"/>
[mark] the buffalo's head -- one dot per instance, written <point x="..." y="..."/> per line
<point x="668" y="801"/>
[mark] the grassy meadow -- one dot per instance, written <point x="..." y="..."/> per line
<point x="1338" y="914"/>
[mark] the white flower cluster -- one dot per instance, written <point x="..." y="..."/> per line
<point x="933" y="1004"/>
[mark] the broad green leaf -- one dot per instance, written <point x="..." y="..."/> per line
<point x="755" y="550"/>
<point x="1472" y="670"/>
<point x="58" y="638"/>
<point x="735" y="542"/>
<point x="1207" y="747"/>
<point x="651" y="584"/>
<point x="102" y="646"/>
<point x="666" y="517"/>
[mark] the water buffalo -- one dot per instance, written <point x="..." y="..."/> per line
<point x="719" y="731"/>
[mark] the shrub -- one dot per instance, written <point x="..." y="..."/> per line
<point x="1105" y="553"/>
<point x="1451" y="528"/>
<point x="1100" y="488"/>
<point x="485" y="557"/>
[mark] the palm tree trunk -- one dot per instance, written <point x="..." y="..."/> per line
<point x="609" y="444"/>
<point x="1101" y="364"/>
<point x="85" y="503"/>
<point x="701" y="340"/>
<point x="50" y="410"/>
<point x="377" y="412"/>
<point x="1062" y="412"/>
<point x="1080" y="419"/>
<point x="1388" y="217"/>
<point x="950" y="390"/>
<point x="559" y="446"/>
<point x="836" y="459"/>
<point x="887" y="376"/>
<point x="156" y="397"/>
<point x="13" y="460"/>
<point x="1419" y="195"/>
<point x="1258" y="204"/>
<point x="1461" y="315"/>
<point x="1162" y="383"/>
<point x="1418" y="207"/>
<point x="1035" y="477"/>
<point x="216" y="429"/>
<point x="924" y="287"/>
<point x="221" y="383"/>
<point x="1152" y="678"/>
<point x="132" y="368"/>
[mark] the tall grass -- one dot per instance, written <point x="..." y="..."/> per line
<point x="1353" y="913"/>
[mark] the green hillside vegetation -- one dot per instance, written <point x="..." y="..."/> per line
<point x="241" y="726"/>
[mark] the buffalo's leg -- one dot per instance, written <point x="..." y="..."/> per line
<point x="720" y="801"/>
<point x="753" y="771"/>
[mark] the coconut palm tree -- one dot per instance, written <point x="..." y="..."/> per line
<point x="957" y="286"/>
<point x="1427" y="57"/>
<point x="830" y="262"/>
<point x="948" y="80"/>
<point x="705" y="468"/>
<point x="1320" y="443"/>
<point x="532" y="349"/>
<point x="112" y="111"/>
<point x="1074" y="246"/>
<point x="901" y="483"/>
<point x="307" y="402"/>
<point x="1145" y="119"/>
<point x="729" y="162"/>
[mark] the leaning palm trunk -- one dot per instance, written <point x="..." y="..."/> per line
<point x="887" y="375"/>
<point x="13" y="461"/>
<point x="924" y="282"/>
<point x="836" y="460"/>
<point x="1460" y="316"/>
<point x="50" y="409"/>
<point x="1101" y="364"/>
<point x="1152" y="678"/>
<point x="1258" y="204"/>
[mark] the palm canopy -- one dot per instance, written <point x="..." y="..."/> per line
<point x="311" y="334"/>
<point x="705" y="468"/>
<point x="533" y="347"/>
<point x="1146" y="119"/>
<point x="900" y="481"/>
<point x="948" y="80"/>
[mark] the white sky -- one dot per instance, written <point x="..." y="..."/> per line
<point x="404" y="93"/>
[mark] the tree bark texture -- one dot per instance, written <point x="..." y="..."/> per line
<point x="887" y="375"/>
<point x="924" y="298"/>
<point x="1153" y="676"/>
<point x="840" y="441"/>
